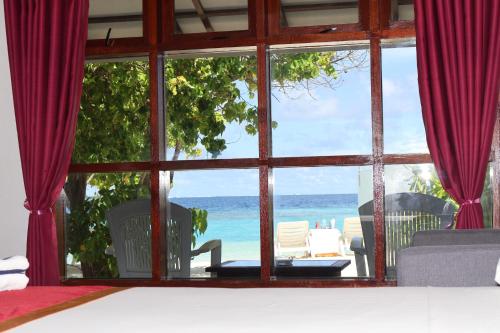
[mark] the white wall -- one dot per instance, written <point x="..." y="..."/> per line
<point x="13" y="216"/>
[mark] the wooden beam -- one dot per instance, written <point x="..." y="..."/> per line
<point x="237" y="163"/>
<point x="200" y="11"/>
<point x="319" y="6"/>
<point x="407" y="159"/>
<point x="309" y="161"/>
<point x="115" y="19"/>
<point x="213" y="13"/>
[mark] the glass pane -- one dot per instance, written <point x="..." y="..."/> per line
<point x="410" y="190"/>
<point x="211" y="107"/>
<point x="321" y="102"/>
<point x="113" y="123"/>
<point x="299" y="13"/>
<point x="197" y="16"/>
<point x="219" y="209"/>
<point x="103" y="238"/>
<point x="402" y="10"/>
<point x="487" y="198"/>
<point x="123" y="17"/>
<point x="317" y="219"/>
<point x="403" y="124"/>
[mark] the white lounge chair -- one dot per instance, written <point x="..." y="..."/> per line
<point x="292" y="238"/>
<point x="352" y="228"/>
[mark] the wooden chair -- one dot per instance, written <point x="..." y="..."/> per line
<point x="405" y="214"/>
<point x="130" y="228"/>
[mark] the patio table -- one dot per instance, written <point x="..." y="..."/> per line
<point x="282" y="268"/>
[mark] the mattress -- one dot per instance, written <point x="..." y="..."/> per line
<point x="281" y="310"/>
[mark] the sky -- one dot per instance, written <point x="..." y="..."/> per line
<point x="322" y="121"/>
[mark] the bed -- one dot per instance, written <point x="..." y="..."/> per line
<point x="21" y="306"/>
<point x="152" y="309"/>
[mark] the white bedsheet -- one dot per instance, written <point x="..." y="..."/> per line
<point x="370" y="310"/>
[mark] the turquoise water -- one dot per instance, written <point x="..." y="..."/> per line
<point x="236" y="220"/>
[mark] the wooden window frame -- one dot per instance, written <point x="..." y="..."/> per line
<point x="318" y="33"/>
<point x="123" y="46"/>
<point x="158" y="39"/>
<point x="170" y="40"/>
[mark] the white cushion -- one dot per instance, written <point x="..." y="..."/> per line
<point x="14" y="263"/>
<point x="13" y="282"/>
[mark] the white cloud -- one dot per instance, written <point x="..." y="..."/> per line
<point x="294" y="108"/>
<point x="390" y="87"/>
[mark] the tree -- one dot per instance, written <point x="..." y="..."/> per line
<point x="431" y="185"/>
<point x="204" y="95"/>
<point x="113" y="125"/>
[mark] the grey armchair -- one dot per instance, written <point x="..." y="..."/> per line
<point x="130" y="228"/>
<point x="450" y="258"/>
<point x="405" y="214"/>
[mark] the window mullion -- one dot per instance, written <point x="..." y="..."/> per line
<point x="266" y="226"/>
<point x="496" y="173"/>
<point x="378" y="151"/>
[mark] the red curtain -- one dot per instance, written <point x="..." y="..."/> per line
<point x="458" y="57"/>
<point x="46" y="44"/>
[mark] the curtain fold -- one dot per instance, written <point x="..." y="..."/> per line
<point x="458" y="58"/>
<point x="46" y="44"/>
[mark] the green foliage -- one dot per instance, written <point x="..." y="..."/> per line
<point x="292" y="68"/>
<point x="113" y="123"/>
<point x="431" y="185"/>
<point x="204" y="95"/>
<point x="200" y="223"/>
<point x="88" y="234"/>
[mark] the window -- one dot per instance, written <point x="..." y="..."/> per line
<point x="224" y="210"/>
<point x="118" y="18"/>
<point x="321" y="101"/>
<point x="402" y="10"/>
<point x="323" y="203"/>
<point x="317" y="12"/>
<point x="94" y="239"/>
<point x="210" y="16"/>
<point x="403" y="124"/>
<point x="249" y="143"/>
<point x="407" y="184"/>
<point x="211" y="106"/>
<point x="113" y="123"/>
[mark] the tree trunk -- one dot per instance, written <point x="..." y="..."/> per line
<point x="75" y="189"/>
<point x="175" y="157"/>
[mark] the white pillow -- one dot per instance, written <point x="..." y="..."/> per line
<point x="497" y="275"/>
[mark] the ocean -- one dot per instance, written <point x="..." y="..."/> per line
<point x="236" y="220"/>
